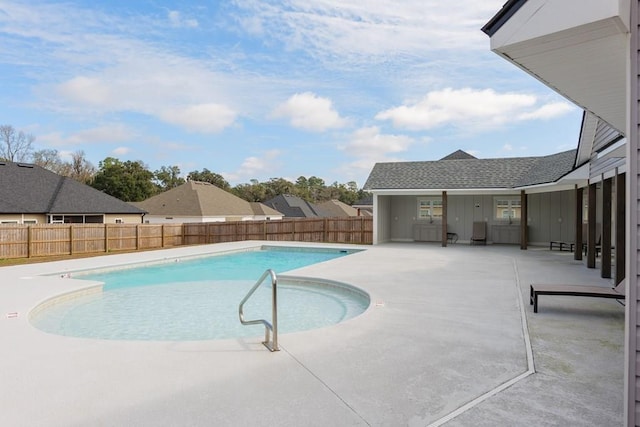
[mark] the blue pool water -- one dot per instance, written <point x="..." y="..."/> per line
<point x="198" y="299"/>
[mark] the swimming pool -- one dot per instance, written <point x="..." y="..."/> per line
<point x="197" y="299"/>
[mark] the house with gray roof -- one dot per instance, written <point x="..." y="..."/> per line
<point x="530" y="197"/>
<point x="335" y="209"/>
<point x="293" y="206"/>
<point x="30" y="194"/>
<point x="196" y="201"/>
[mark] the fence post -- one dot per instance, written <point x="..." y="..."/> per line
<point x="29" y="238"/>
<point x="71" y="239"/>
<point x="106" y="237"/>
<point x="162" y="235"/>
<point x="325" y="230"/>
<point x="137" y="236"/>
<point x="264" y="229"/>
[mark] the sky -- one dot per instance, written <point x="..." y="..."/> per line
<point x="257" y="89"/>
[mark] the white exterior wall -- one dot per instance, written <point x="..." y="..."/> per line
<point x="551" y="216"/>
<point x="381" y="219"/>
<point x="125" y="218"/>
<point x="632" y="317"/>
<point x="21" y="218"/>
<point x="163" y="219"/>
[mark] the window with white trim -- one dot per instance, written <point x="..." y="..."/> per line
<point x="429" y="208"/>
<point x="507" y="207"/>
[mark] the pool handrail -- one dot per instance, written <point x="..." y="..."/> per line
<point x="269" y="328"/>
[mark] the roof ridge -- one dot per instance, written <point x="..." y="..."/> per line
<point x="56" y="192"/>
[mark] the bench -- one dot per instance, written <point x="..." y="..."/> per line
<point x="575" y="290"/>
<point x="561" y="245"/>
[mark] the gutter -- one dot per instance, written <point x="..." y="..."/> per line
<point x="508" y="10"/>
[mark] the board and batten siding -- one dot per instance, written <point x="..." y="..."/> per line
<point x="632" y="359"/>
<point x="551" y="216"/>
<point x="605" y="135"/>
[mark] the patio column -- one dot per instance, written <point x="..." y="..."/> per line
<point x="620" y="227"/>
<point x="444" y="219"/>
<point x="591" y="229"/>
<point x="577" y="253"/>
<point x="605" y="260"/>
<point x="523" y="220"/>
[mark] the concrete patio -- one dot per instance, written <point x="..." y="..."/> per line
<point x="450" y="339"/>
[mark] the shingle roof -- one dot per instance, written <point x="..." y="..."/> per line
<point x="292" y="206"/>
<point x="471" y="173"/>
<point x="458" y="155"/>
<point x="195" y="198"/>
<point x="335" y="208"/>
<point x="27" y="188"/>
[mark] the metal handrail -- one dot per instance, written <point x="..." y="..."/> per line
<point x="271" y="344"/>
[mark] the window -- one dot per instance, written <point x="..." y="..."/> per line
<point x="429" y="208"/>
<point x="509" y="207"/>
<point x="118" y="220"/>
<point x="30" y="221"/>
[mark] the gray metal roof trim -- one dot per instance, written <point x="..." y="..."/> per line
<point x="503" y="15"/>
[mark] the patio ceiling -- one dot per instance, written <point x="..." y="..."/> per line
<point x="578" y="48"/>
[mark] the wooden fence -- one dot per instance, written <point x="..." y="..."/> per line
<point x="42" y="240"/>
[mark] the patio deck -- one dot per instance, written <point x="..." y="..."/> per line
<point x="450" y="339"/>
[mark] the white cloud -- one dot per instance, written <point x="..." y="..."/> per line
<point x="507" y="147"/>
<point x="310" y="112"/>
<point x="254" y="166"/>
<point x="203" y="118"/>
<point x="470" y="108"/>
<point x="353" y="28"/>
<point x="369" y="142"/>
<point x="85" y="90"/>
<point x="369" y="146"/>
<point x="176" y="20"/>
<point x="109" y="133"/>
<point x="548" y="111"/>
<point x="121" y="151"/>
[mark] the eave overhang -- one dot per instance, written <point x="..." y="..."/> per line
<point x="577" y="48"/>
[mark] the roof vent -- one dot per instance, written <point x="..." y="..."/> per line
<point x="25" y="165"/>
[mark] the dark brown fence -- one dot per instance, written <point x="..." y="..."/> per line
<point x="26" y="241"/>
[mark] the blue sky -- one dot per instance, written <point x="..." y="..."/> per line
<point x="255" y="89"/>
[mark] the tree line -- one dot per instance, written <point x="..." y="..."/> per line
<point x="132" y="181"/>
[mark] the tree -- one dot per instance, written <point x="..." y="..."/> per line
<point x="128" y="181"/>
<point x="253" y="192"/>
<point x="276" y="186"/>
<point x="79" y="168"/>
<point x="211" y="177"/>
<point x="48" y="159"/>
<point x="168" y="177"/>
<point x="15" y="146"/>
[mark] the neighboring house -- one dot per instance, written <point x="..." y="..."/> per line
<point x="30" y="194"/>
<point x="589" y="52"/>
<point x="410" y="198"/>
<point x="364" y="206"/>
<point x="335" y="209"/>
<point x="293" y="206"/>
<point x="196" y="201"/>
